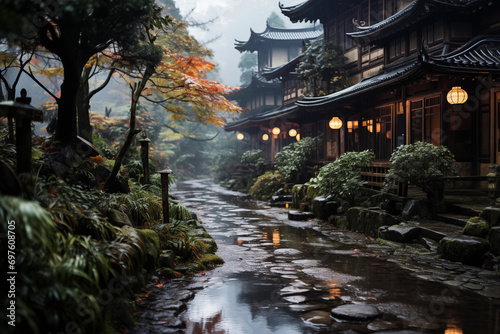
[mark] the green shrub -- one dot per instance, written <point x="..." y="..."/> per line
<point x="342" y="178"/>
<point x="291" y="161"/>
<point x="419" y="164"/>
<point x="255" y="161"/>
<point x="267" y="185"/>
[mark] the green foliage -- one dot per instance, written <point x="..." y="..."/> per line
<point x="291" y="161"/>
<point x="267" y="185"/>
<point x="419" y="164"/>
<point x="342" y="178"/>
<point x="178" y="212"/>
<point x="7" y="150"/>
<point x="223" y="162"/>
<point x="57" y="274"/>
<point x="323" y="61"/>
<point x="255" y="161"/>
<point x="103" y="146"/>
<point x="144" y="208"/>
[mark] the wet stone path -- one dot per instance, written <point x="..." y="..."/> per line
<point x="289" y="277"/>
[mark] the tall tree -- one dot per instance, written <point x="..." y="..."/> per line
<point x="75" y="31"/>
<point x="247" y="65"/>
<point x="275" y="21"/>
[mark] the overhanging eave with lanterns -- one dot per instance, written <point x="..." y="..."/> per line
<point x="480" y="56"/>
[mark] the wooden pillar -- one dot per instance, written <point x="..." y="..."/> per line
<point x="164" y="194"/>
<point x="145" y="157"/>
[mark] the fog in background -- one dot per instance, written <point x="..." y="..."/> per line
<point x="233" y="20"/>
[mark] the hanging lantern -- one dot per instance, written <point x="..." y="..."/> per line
<point x="457" y="95"/>
<point x="297" y="137"/>
<point x="335" y="123"/>
<point x="240" y="136"/>
<point x="276" y="131"/>
<point x="292" y="132"/>
<point x="265" y="137"/>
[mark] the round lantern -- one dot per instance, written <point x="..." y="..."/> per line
<point x="276" y="131"/>
<point x="292" y="132"/>
<point x="240" y="136"/>
<point x="457" y="96"/>
<point x="335" y="123"/>
<point x="265" y="137"/>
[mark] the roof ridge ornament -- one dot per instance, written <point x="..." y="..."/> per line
<point x="358" y="23"/>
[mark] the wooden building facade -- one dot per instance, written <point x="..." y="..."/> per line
<point x="266" y="105"/>
<point x="406" y="59"/>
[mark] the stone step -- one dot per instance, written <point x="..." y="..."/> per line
<point x="463" y="210"/>
<point x="437" y="230"/>
<point x="300" y="215"/>
<point x="452" y="218"/>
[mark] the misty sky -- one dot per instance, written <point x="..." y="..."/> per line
<point x="234" y="20"/>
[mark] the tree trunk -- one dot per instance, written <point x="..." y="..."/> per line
<point x="66" y="130"/>
<point x="136" y="94"/>
<point x="83" y="106"/>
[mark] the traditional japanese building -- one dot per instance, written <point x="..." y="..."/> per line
<point x="265" y="106"/>
<point x="421" y="70"/>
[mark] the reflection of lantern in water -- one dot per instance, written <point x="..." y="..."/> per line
<point x="334" y="292"/>
<point x="276" y="237"/>
<point x="240" y="241"/>
<point x="452" y="329"/>
<point x="264" y="236"/>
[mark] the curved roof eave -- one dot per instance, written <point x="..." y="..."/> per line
<point x="406" y="17"/>
<point x="278" y="34"/>
<point x="262" y="117"/>
<point x="368" y="84"/>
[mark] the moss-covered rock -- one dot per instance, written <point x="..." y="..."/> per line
<point x="491" y="215"/>
<point x="368" y="221"/>
<point x="151" y="240"/>
<point x="494" y="239"/>
<point x="166" y="272"/>
<point x="190" y="268"/>
<point x="166" y="259"/>
<point x="476" y="227"/>
<point x="211" y="259"/>
<point x="298" y="195"/>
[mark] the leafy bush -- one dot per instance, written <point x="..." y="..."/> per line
<point x="255" y="161"/>
<point x="419" y="164"/>
<point x="291" y="161"/>
<point x="267" y="185"/>
<point x="57" y="274"/>
<point x="342" y="178"/>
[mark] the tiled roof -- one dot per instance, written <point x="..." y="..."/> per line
<point x="417" y="10"/>
<point x="278" y="34"/>
<point x="275" y="72"/>
<point x="479" y="55"/>
<point x="258" y="81"/>
<point x="265" y="116"/>
<point x="365" y="85"/>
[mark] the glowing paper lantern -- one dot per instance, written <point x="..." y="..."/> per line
<point x="276" y="131"/>
<point x="292" y="132"/>
<point x="265" y="137"/>
<point x="335" y="123"/>
<point x="240" y="136"/>
<point x="457" y="96"/>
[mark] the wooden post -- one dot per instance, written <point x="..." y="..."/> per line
<point x="145" y="157"/>
<point x="23" y="113"/>
<point x="164" y="194"/>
